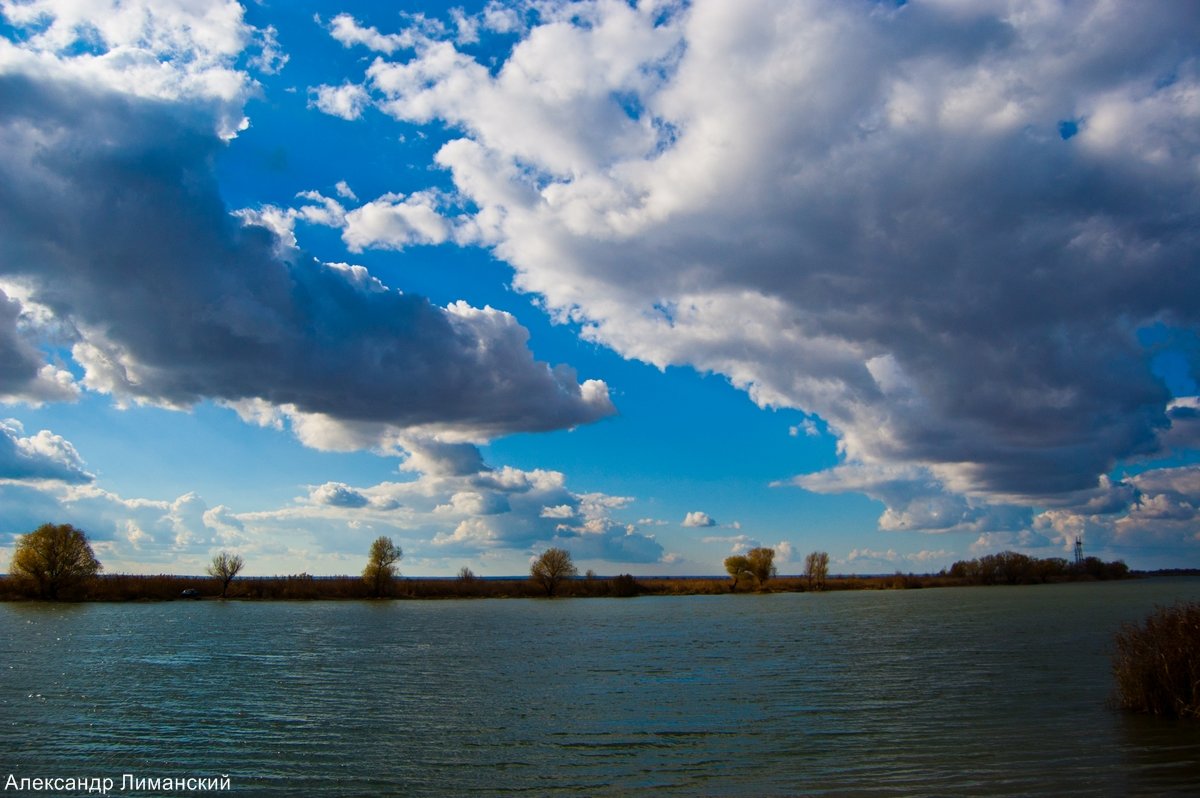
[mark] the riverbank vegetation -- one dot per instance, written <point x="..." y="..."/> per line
<point x="37" y="572"/>
<point x="161" y="587"/>
<point x="380" y="573"/>
<point x="224" y="568"/>
<point x="756" y="567"/>
<point x="1157" y="663"/>
<point x="1012" y="568"/>
<point x="54" y="561"/>
<point x="166" y="587"/>
<point x="551" y="569"/>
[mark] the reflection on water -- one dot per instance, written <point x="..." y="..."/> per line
<point x="951" y="691"/>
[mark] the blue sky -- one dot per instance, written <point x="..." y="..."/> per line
<point x="655" y="282"/>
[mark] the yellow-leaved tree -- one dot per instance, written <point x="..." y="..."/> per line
<point x="54" y="560"/>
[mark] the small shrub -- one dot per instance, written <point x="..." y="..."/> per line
<point x="1157" y="664"/>
<point x="625" y="586"/>
<point x="905" y="582"/>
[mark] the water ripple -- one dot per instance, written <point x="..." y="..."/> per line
<point x="967" y="692"/>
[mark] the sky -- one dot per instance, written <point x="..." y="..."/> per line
<point x="655" y="282"/>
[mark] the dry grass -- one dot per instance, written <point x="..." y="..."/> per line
<point x="1157" y="663"/>
<point x="666" y="586"/>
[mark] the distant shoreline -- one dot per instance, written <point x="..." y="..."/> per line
<point x="130" y="587"/>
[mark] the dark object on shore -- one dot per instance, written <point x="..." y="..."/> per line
<point x="1157" y="664"/>
<point x="191" y="593"/>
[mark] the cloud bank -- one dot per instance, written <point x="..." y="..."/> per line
<point x="944" y="230"/>
<point x="112" y="223"/>
<point x="451" y="507"/>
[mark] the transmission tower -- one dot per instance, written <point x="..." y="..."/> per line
<point x="1078" y="550"/>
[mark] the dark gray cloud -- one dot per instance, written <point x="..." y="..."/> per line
<point x="109" y="210"/>
<point x="20" y="361"/>
<point x="24" y="373"/>
<point x="443" y="459"/>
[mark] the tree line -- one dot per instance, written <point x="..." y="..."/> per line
<point x="56" y="561"/>
<point x="1014" y="568"/>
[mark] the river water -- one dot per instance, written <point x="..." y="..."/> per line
<point x="952" y="691"/>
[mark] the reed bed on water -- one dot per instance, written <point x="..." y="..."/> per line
<point x="1157" y="663"/>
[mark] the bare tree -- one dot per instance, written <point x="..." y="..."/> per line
<point x="551" y="568"/>
<point x="225" y="567"/>
<point x="381" y="565"/>
<point x="761" y="564"/>
<point x="736" y="566"/>
<point x="55" y="558"/>
<point x="816" y="568"/>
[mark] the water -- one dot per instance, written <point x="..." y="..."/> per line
<point x="988" y="691"/>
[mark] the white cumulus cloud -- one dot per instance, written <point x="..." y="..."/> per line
<point x="346" y="101"/>
<point x="698" y="519"/>
<point x="43" y="456"/>
<point x="924" y="225"/>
